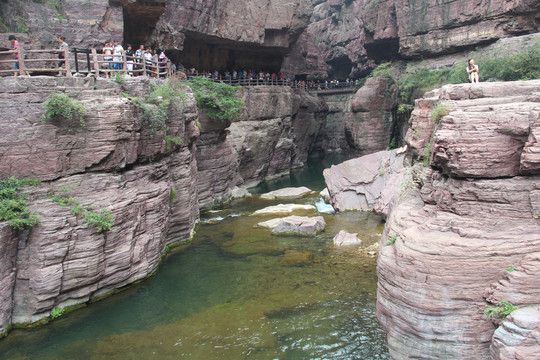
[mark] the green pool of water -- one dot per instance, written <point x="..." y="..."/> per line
<point x="237" y="293"/>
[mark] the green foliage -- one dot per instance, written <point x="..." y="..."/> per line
<point x="219" y="99"/>
<point x="170" y="140"/>
<point x="14" y="206"/>
<point x="503" y="309"/>
<point x="427" y="153"/>
<point x="405" y="109"/>
<point x="155" y="106"/>
<point x="524" y="65"/>
<point x="439" y="111"/>
<point x="172" y="195"/>
<point x="510" y="268"/>
<point x="57" y="313"/>
<point x="120" y="79"/>
<point x="60" y="105"/>
<point x="392" y="240"/>
<point x="102" y="221"/>
<point x="384" y="69"/>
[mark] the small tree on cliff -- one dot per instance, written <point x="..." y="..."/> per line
<point x="218" y="99"/>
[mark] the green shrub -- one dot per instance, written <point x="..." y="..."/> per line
<point x="155" y="105"/>
<point x="384" y="69"/>
<point x="60" y="105"/>
<point x="439" y="111"/>
<point x="220" y="100"/>
<point x="102" y="221"/>
<point x="502" y="309"/>
<point x="57" y="313"/>
<point x="14" y="206"/>
<point x="170" y="140"/>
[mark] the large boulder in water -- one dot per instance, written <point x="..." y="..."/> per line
<point x="284" y="208"/>
<point x="365" y="183"/>
<point x="297" y="225"/>
<point x="287" y="193"/>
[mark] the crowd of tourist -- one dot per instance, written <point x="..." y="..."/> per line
<point x="152" y="62"/>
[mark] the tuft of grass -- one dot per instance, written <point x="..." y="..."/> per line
<point x="392" y="240"/>
<point x="102" y="221"/>
<point x="14" y="206"/>
<point x="57" y="313"/>
<point x="60" y="105"/>
<point x="172" y="195"/>
<point x="511" y="268"/>
<point x="503" y="309"/>
<point x="439" y="112"/>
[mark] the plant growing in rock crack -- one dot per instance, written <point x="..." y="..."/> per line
<point x="61" y="106"/>
<point x="392" y="240"/>
<point x="14" y="206"/>
<point x="218" y="99"/>
<point x="155" y="108"/>
<point x="503" y="309"/>
<point x="510" y="268"/>
<point x="57" y="313"/>
<point x="102" y="220"/>
<point x="439" y="111"/>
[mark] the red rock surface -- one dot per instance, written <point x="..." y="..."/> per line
<point x="455" y="238"/>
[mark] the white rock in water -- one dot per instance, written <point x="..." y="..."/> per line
<point x="344" y="238"/>
<point x="287" y="193"/>
<point x="325" y="194"/>
<point x="301" y="225"/>
<point x="283" y="208"/>
<point x="237" y="192"/>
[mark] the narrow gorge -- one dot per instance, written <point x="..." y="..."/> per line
<point x="148" y="196"/>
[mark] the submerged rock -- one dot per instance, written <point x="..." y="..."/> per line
<point x="283" y="208"/>
<point x="296" y="258"/>
<point x="287" y="193"/>
<point x="298" y="225"/>
<point x="344" y="238"/>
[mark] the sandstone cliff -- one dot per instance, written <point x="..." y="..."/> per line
<point x="116" y="161"/>
<point x="463" y="233"/>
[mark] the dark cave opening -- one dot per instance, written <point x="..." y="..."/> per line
<point x="209" y="53"/>
<point x="382" y="50"/>
<point x="140" y="19"/>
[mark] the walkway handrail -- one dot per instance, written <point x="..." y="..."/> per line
<point x="112" y="64"/>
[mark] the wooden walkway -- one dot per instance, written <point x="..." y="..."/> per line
<point x="87" y="62"/>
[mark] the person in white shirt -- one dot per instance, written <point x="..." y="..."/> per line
<point x="118" y="52"/>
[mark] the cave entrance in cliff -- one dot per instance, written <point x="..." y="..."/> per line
<point x="209" y="53"/>
<point x="140" y="19"/>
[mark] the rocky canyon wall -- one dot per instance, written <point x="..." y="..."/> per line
<point x="310" y="39"/>
<point x="154" y="187"/>
<point x="462" y="229"/>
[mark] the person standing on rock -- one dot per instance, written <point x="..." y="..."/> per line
<point x="473" y="71"/>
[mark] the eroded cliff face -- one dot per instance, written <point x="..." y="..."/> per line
<point x="461" y="225"/>
<point x="312" y="39"/>
<point x="154" y="187"/>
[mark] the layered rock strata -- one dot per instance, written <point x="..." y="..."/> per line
<point x="457" y="226"/>
<point x="461" y="229"/>
<point x="152" y="185"/>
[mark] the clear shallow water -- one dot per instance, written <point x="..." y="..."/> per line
<point x="237" y="293"/>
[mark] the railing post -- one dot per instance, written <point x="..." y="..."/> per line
<point x="66" y="62"/>
<point x="75" y="54"/>
<point x="20" y="59"/>
<point x="96" y="62"/>
<point x="124" y="59"/>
